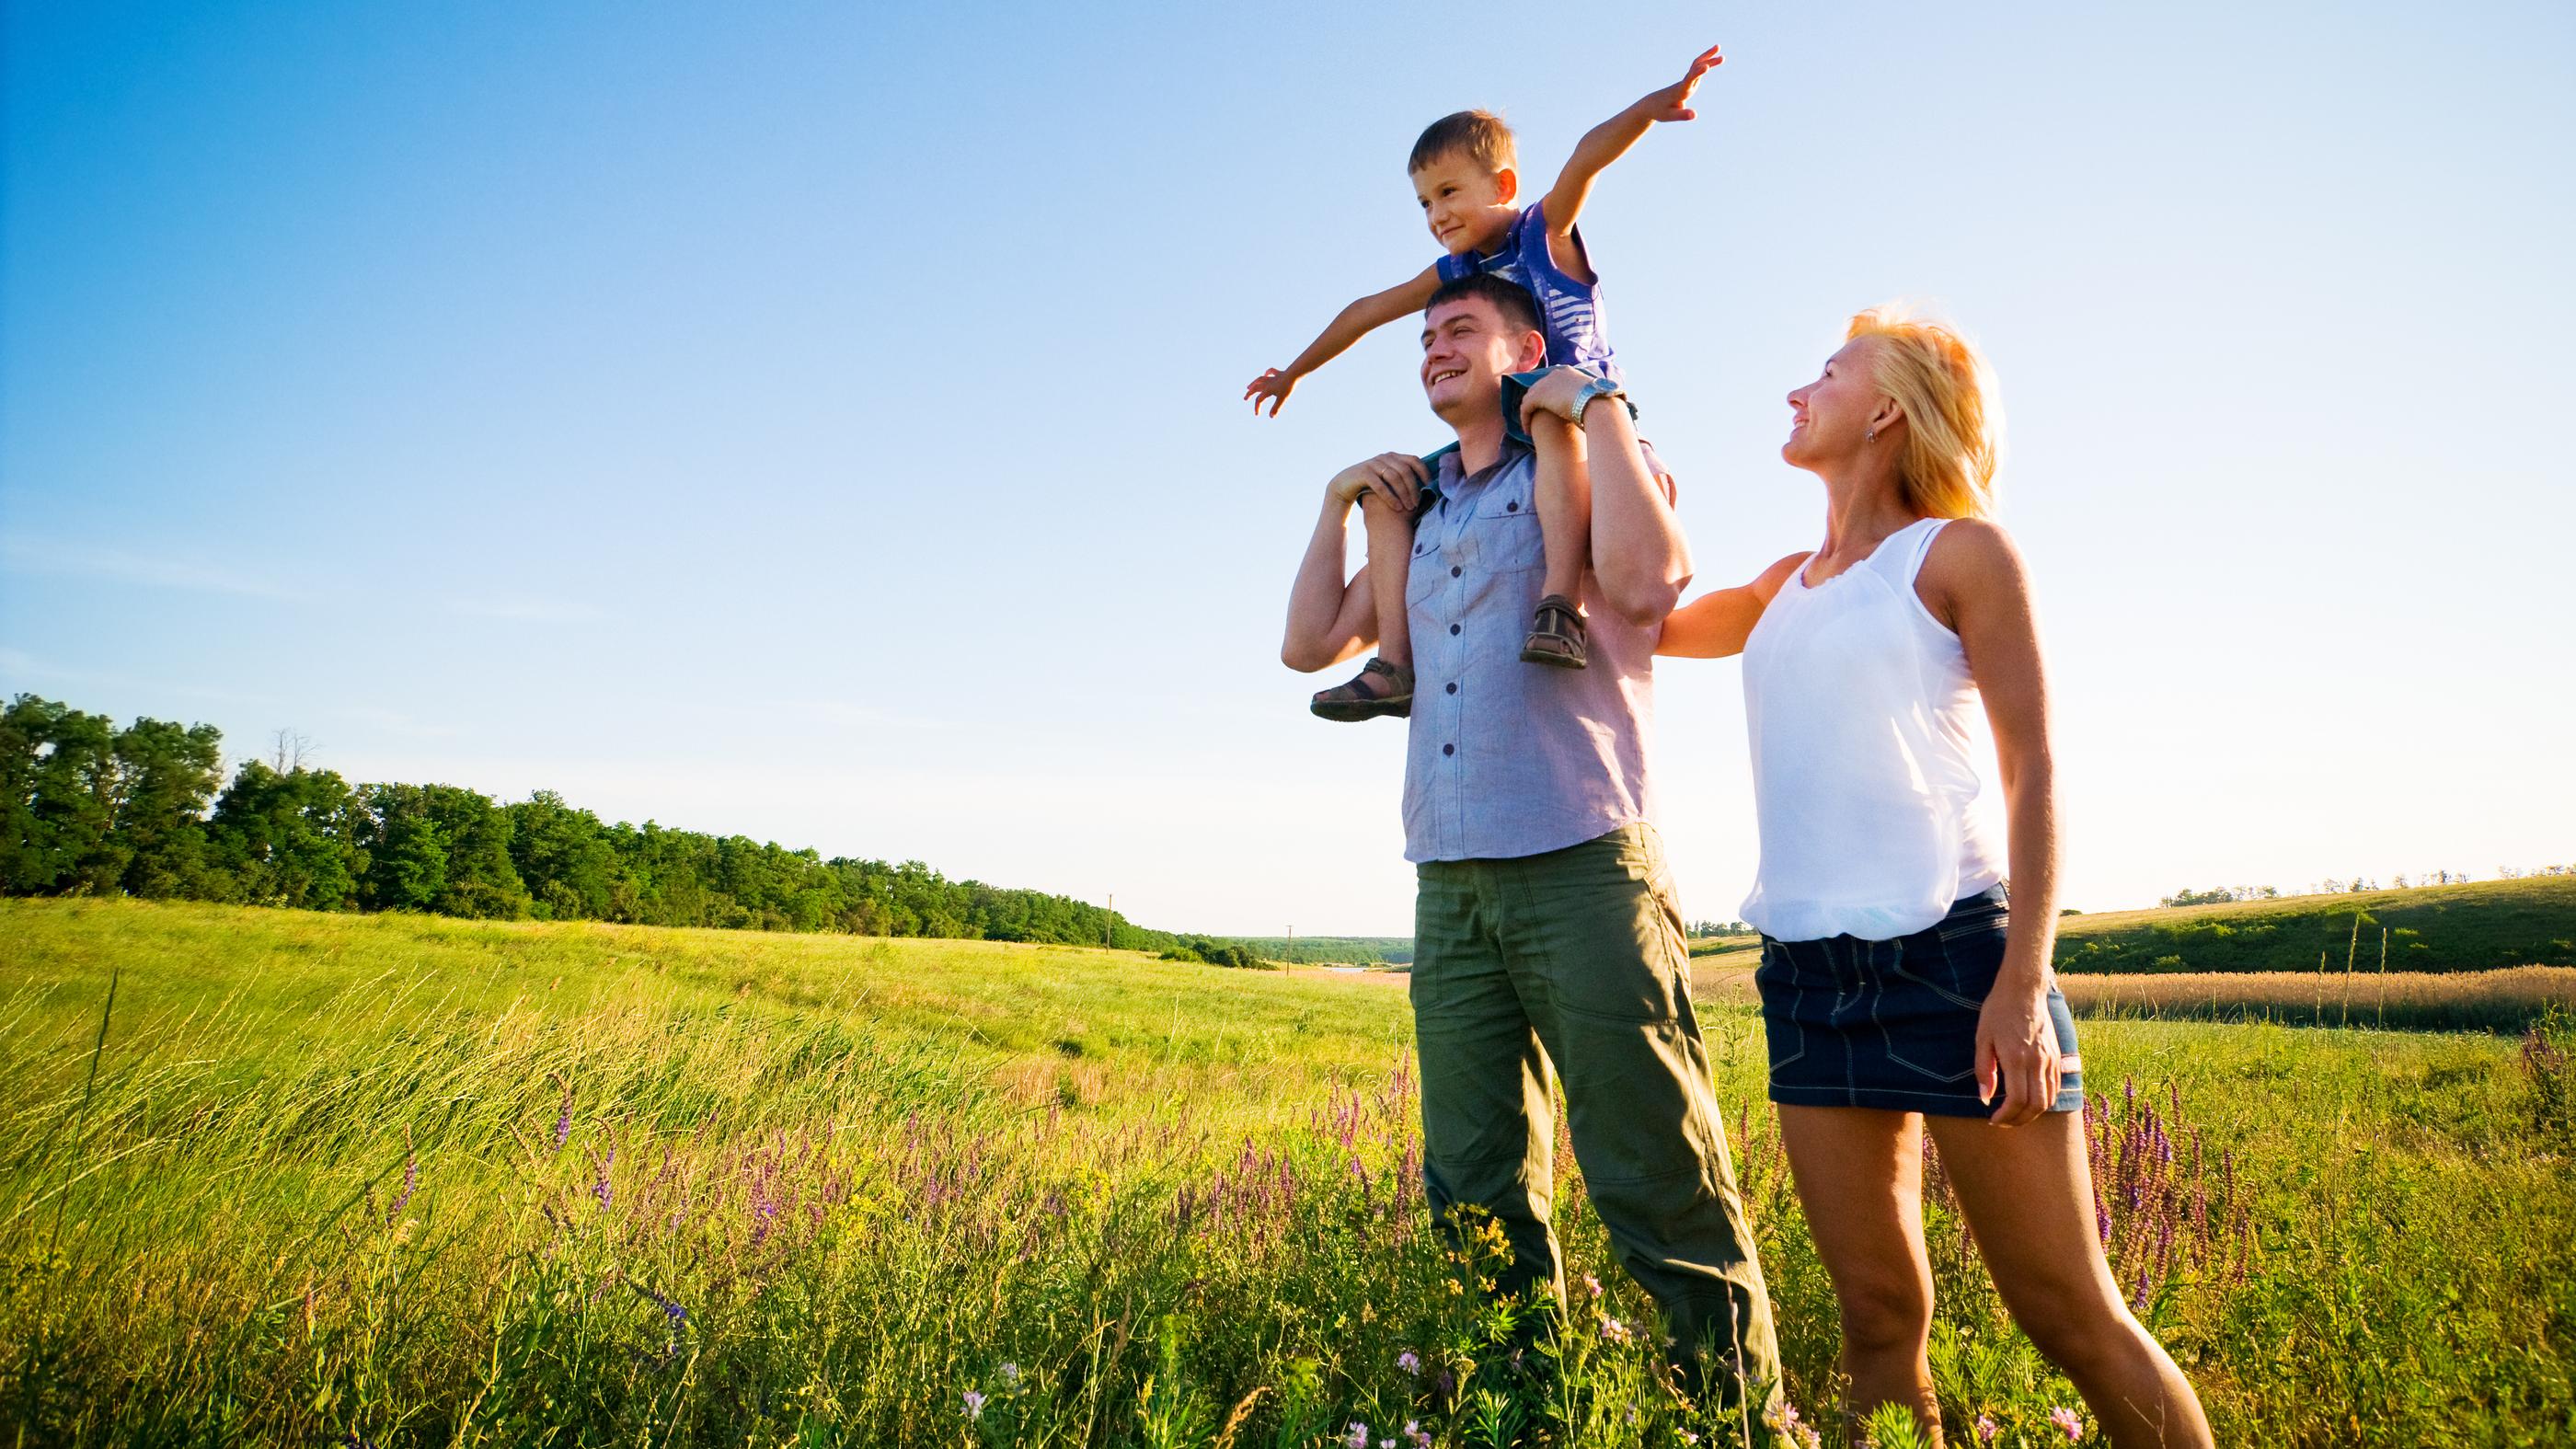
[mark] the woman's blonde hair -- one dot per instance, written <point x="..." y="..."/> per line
<point x="1954" y="420"/>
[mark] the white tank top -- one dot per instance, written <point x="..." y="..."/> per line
<point x="1859" y="706"/>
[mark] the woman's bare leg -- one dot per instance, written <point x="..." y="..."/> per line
<point x="2029" y="1198"/>
<point x="1859" y="1175"/>
<point x="1390" y="563"/>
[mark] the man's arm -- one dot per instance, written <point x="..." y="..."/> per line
<point x="1352" y="323"/>
<point x="1604" y="144"/>
<point x="1638" y="552"/>
<point x="1716" y="624"/>
<point x="1331" y="618"/>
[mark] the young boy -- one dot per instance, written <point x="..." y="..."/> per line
<point x="1466" y="176"/>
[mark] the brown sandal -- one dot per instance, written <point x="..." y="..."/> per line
<point x="1362" y="697"/>
<point x="1556" y="634"/>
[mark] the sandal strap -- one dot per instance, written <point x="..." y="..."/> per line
<point x="1400" y="676"/>
<point x="1564" y="608"/>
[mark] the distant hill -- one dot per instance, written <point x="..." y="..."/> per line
<point x="1334" y="950"/>
<point x="2479" y="926"/>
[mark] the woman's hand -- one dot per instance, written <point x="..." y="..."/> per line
<point x="1396" y="478"/>
<point x="2017" y="1051"/>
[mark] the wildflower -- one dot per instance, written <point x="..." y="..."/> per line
<point x="1612" y="1330"/>
<point x="1415" y="1436"/>
<point x="1688" y="1437"/>
<point x="1592" y="1285"/>
<point x="563" y="1120"/>
<point x="1409" y="1361"/>
<point x="2068" y="1420"/>
<point x="411" y="1179"/>
<point x="601" y="1187"/>
<point x="1987" y="1428"/>
<point x="974" y="1406"/>
<point x="1010" y="1376"/>
<point x="1358" y="1436"/>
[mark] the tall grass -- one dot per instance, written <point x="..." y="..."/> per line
<point x="401" y="1181"/>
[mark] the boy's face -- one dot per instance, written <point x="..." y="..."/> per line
<point x="1468" y="207"/>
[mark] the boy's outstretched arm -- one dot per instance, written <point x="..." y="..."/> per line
<point x="1348" y="326"/>
<point x="1604" y="144"/>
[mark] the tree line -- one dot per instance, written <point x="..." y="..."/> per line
<point x="145" y="810"/>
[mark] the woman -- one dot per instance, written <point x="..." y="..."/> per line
<point x="1898" y="991"/>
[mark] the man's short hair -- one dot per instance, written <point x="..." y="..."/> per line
<point x="1511" y="299"/>
<point x="1480" y="136"/>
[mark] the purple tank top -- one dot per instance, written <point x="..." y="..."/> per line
<point x="1570" y="309"/>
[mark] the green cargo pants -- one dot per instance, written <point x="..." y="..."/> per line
<point x="1575" y="959"/>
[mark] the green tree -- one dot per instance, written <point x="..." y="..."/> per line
<point x="165" y="775"/>
<point x="564" y="858"/>
<point x="58" y="786"/>
<point x="292" y="839"/>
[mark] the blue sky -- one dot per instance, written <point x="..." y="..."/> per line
<point x="821" y="422"/>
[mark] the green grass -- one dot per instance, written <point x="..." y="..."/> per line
<point x="2480" y="926"/>
<point x="814" y="1190"/>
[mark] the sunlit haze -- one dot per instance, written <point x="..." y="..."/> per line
<point x="823" y="423"/>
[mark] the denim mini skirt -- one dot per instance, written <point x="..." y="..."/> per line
<point x="1892" y="1025"/>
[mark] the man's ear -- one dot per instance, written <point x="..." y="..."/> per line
<point x="1507" y="184"/>
<point x="1533" y="353"/>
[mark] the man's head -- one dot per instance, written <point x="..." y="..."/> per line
<point x="1475" y="330"/>
<point x="1466" y="174"/>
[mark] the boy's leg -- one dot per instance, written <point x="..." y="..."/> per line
<point x="1594" y="935"/>
<point x="1564" y="488"/>
<point x="1563" y="485"/>
<point x="1390" y="564"/>
<point x="1385" y="686"/>
<point x="1488" y="1127"/>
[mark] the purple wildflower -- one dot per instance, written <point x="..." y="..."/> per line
<point x="1414" y="1435"/>
<point x="411" y="1180"/>
<point x="1409" y="1361"/>
<point x="974" y="1406"/>
<point x="1987" y="1428"/>
<point x="601" y="1187"/>
<point x="2068" y="1420"/>
<point x="1357" y="1438"/>
<point x="1592" y="1285"/>
<point x="563" y="1120"/>
<point x="1010" y="1376"/>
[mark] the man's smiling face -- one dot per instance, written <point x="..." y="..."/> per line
<point x="1467" y="348"/>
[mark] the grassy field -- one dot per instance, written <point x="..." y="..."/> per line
<point x="403" y="1181"/>
<point x="2479" y="926"/>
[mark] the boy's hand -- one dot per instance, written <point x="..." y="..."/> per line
<point x="1272" y="385"/>
<point x="1672" y="103"/>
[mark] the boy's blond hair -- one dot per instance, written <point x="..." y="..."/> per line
<point x="1953" y="417"/>
<point x="1480" y="136"/>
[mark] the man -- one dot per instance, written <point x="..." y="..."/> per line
<point x="1546" y="932"/>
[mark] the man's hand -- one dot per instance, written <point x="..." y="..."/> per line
<point x="1272" y="385"/>
<point x="1672" y="103"/>
<point x="2017" y="1052"/>
<point x="1396" y="478"/>
<point x="1553" y="396"/>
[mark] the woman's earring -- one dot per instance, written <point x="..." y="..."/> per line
<point x="1870" y="437"/>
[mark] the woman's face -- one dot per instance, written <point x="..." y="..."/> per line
<point x="1830" y="417"/>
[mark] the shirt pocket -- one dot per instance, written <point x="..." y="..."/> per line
<point x="1507" y="532"/>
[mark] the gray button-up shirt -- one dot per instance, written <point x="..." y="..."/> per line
<point x="1510" y="758"/>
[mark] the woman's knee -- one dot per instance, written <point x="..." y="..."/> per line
<point x="1885" y="1313"/>
<point x="2080" y="1331"/>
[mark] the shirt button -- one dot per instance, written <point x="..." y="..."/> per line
<point x="1448" y="749"/>
<point x="1511" y="508"/>
<point x="1453" y="687"/>
<point x="1453" y="628"/>
<point x="1454" y="571"/>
